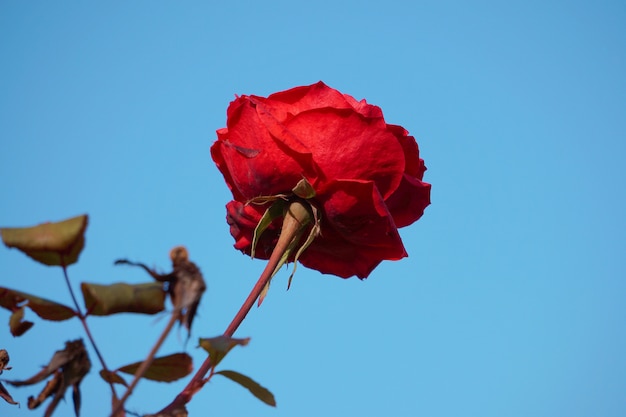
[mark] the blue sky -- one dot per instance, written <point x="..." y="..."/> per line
<point x="511" y="302"/>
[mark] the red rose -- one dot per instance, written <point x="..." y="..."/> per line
<point x="367" y="174"/>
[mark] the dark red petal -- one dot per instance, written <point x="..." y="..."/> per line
<point x="346" y="145"/>
<point x="315" y="96"/>
<point x="249" y="158"/>
<point x="414" y="165"/>
<point x="243" y="219"/>
<point x="341" y="260"/>
<point x="356" y="210"/>
<point x="408" y="202"/>
<point x="218" y="158"/>
<point x="357" y="232"/>
<point x="367" y="110"/>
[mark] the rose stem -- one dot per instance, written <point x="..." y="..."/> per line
<point x="296" y="216"/>
<point x="83" y="320"/>
<point x="146" y="363"/>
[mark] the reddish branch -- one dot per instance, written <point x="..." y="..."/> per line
<point x="295" y="218"/>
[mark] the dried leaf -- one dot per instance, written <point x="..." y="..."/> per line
<point x="49" y="310"/>
<point x="164" y="369"/>
<point x="257" y="390"/>
<point x="4" y="361"/>
<point x="51" y="387"/>
<point x="218" y="347"/>
<point x="53" y="244"/>
<point x="186" y="285"/>
<point x="154" y="274"/>
<point x="76" y="399"/>
<point x="103" y="300"/>
<point x="4" y="394"/>
<point x="17" y="325"/>
<point x="112" y="377"/>
<point x="69" y="367"/>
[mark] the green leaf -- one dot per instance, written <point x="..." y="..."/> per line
<point x="112" y="377"/>
<point x="257" y="390"/>
<point x="46" y="309"/>
<point x="103" y="300"/>
<point x="53" y="244"/>
<point x="17" y="325"/>
<point x="219" y="346"/>
<point x="164" y="369"/>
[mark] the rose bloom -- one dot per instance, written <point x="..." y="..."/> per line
<point x="367" y="174"/>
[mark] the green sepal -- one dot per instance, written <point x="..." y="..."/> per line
<point x="274" y="211"/>
<point x="304" y="189"/>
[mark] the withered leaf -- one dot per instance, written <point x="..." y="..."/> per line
<point x="69" y="367"/>
<point x="17" y="325"/>
<point x="154" y="274"/>
<point x="185" y="284"/>
<point x="49" y="310"/>
<point x="53" y="244"/>
<point x="257" y="390"/>
<point x="218" y="347"/>
<point x="4" y="362"/>
<point x="112" y="377"/>
<point x="164" y="369"/>
<point x="4" y="394"/>
<point x="103" y="300"/>
<point x="48" y="390"/>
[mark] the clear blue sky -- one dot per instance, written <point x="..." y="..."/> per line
<point x="512" y="301"/>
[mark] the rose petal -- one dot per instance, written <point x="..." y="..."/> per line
<point x="317" y="96"/>
<point x="408" y="202"/>
<point x="299" y="99"/>
<point x="349" y="146"/>
<point x="249" y="158"/>
<point x="357" y="233"/>
<point x="243" y="219"/>
<point x="414" y="165"/>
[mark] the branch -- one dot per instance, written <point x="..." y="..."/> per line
<point x="83" y="320"/>
<point x="296" y="216"/>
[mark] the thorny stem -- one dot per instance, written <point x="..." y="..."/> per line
<point x="83" y="320"/>
<point x="146" y="363"/>
<point x="296" y="216"/>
